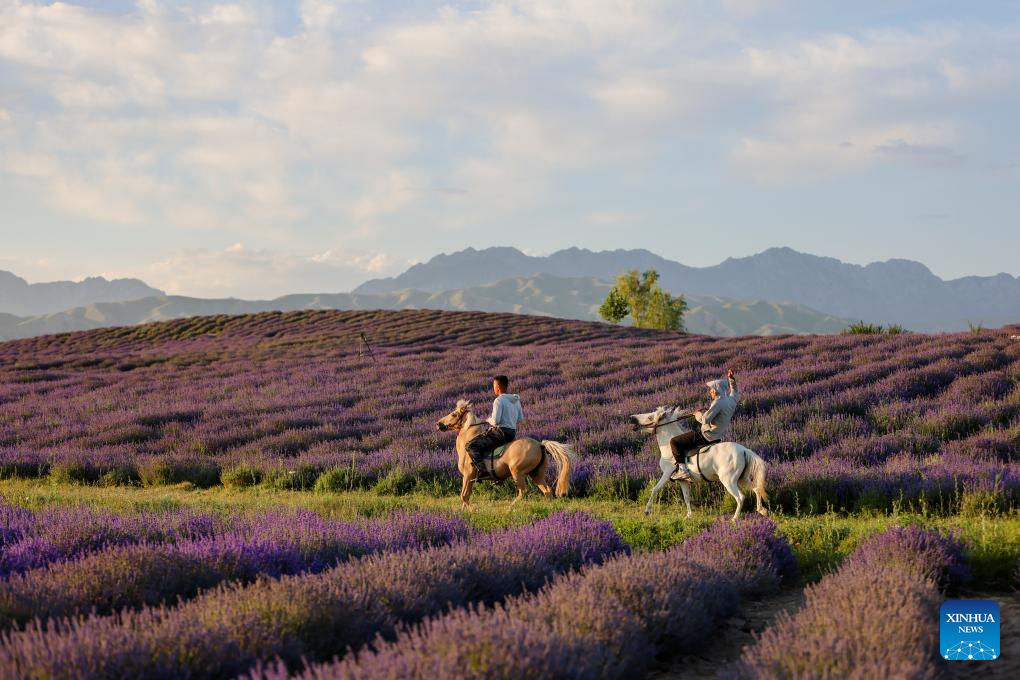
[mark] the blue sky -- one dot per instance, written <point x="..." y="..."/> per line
<point x="261" y="148"/>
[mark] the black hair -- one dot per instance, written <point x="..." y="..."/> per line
<point x="502" y="381"/>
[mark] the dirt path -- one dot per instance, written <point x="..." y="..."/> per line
<point x="735" y="634"/>
<point x="1007" y="665"/>
<point x="758" y="615"/>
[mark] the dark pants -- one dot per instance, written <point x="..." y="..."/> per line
<point x="487" y="441"/>
<point x="687" y="441"/>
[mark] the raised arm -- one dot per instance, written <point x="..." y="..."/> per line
<point x="734" y="391"/>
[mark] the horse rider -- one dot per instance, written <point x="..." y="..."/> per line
<point x="506" y="416"/>
<point x="715" y="424"/>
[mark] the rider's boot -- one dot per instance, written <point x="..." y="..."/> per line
<point x="681" y="474"/>
<point x="480" y="472"/>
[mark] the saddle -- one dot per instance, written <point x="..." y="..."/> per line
<point x="696" y="455"/>
<point x="496" y="452"/>
<point x="489" y="461"/>
<point x="703" y="449"/>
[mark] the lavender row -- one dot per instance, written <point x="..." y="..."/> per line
<point x="607" y="621"/>
<point x="30" y="540"/>
<point x="154" y="573"/>
<point x="311" y="616"/>
<point x="875" y="617"/>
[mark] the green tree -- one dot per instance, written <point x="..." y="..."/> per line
<point x="861" y="328"/>
<point x="648" y="305"/>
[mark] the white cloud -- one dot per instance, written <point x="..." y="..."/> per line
<point x="353" y="122"/>
<point x="238" y="271"/>
<point x="931" y="155"/>
<point x="841" y="103"/>
<point x="32" y="269"/>
<point x="637" y="97"/>
<point x="226" y="14"/>
<point x="225" y="117"/>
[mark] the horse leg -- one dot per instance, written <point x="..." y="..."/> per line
<point x="538" y="477"/>
<point x="756" y="480"/>
<point x="521" y="481"/>
<point x="731" y="485"/>
<point x="465" y="491"/>
<point x="667" y="470"/>
<point x="759" y="507"/>
<point x="685" y="487"/>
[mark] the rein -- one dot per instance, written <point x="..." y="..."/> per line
<point x="657" y="424"/>
<point x="462" y="426"/>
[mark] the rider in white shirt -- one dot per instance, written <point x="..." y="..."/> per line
<point x="506" y="416"/>
<point x="715" y="423"/>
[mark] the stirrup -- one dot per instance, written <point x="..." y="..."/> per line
<point x="681" y="474"/>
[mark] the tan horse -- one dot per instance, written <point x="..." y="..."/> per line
<point x="522" y="458"/>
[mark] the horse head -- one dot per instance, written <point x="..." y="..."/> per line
<point x="454" y="420"/>
<point x="639" y="421"/>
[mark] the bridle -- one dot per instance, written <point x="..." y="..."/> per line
<point x="659" y="423"/>
<point x="462" y="416"/>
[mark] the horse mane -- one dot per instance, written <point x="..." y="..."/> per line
<point x="464" y="406"/>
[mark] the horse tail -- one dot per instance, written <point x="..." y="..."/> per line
<point x="565" y="456"/>
<point x="754" y="477"/>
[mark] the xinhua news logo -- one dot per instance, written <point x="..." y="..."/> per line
<point x="969" y="630"/>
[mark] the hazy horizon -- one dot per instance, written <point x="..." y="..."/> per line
<point x="281" y="293"/>
<point x="256" y="148"/>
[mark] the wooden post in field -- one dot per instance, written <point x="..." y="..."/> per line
<point x="364" y="342"/>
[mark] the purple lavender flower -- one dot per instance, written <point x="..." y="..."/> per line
<point x="872" y="618"/>
<point x="606" y="621"/>
<point x="308" y="616"/>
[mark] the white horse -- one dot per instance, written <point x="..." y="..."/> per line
<point x="726" y="462"/>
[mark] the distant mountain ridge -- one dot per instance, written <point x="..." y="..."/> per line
<point x="792" y="293"/>
<point x="543" y="295"/>
<point x="19" y="297"/>
<point x="895" y="291"/>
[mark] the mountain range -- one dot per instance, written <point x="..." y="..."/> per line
<point x="896" y="291"/>
<point x="544" y="295"/>
<point x="777" y="291"/>
<point x="19" y="297"/>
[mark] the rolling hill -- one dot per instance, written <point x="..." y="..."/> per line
<point x="541" y="295"/>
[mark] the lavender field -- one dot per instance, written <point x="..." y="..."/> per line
<point x="298" y="401"/>
<point x="267" y="496"/>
